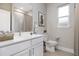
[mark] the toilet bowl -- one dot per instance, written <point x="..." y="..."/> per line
<point x="51" y="45"/>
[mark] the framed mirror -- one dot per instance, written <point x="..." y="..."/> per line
<point x="41" y="18"/>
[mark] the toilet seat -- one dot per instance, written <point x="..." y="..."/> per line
<point x="51" y="42"/>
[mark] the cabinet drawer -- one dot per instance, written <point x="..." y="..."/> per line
<point x="12" y="49"/>
<point x="23" y="53"/>
<point x="37" y="40"/>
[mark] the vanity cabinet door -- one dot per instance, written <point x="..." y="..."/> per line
<point x="38" y="50"/>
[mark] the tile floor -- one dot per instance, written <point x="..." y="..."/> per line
<point x="57" y="53"/>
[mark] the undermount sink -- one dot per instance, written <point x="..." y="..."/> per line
<point x="5" y="37"/>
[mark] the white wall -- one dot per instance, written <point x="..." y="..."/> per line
<point x="66" y="35"/>
<point x="38" y="7"/>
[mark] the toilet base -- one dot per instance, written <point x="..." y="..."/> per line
<point x="51" y="49"/>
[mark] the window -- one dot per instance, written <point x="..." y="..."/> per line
<point x="63" y="16"/>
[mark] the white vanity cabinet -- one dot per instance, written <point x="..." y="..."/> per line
<point x="30" y="47"/>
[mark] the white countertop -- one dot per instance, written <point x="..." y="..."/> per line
<point x="17" y="39"/>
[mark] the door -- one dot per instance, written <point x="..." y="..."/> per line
<point x="76" y="41"/>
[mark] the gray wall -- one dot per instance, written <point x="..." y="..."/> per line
<point x="42" y="8"/>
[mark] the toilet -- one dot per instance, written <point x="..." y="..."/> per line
<point x="51" y="45"/>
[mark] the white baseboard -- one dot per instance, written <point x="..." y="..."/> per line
<point x="66" y="49"/>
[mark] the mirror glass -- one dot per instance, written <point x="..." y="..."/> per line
<point x="5" y="16"/>
<point x="21" y="17"/>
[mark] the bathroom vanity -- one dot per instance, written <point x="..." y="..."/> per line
<point x="24" y="45"/>
<point x="19" y="22"/>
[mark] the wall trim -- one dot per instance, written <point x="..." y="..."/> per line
<point x="66" y="49"/>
